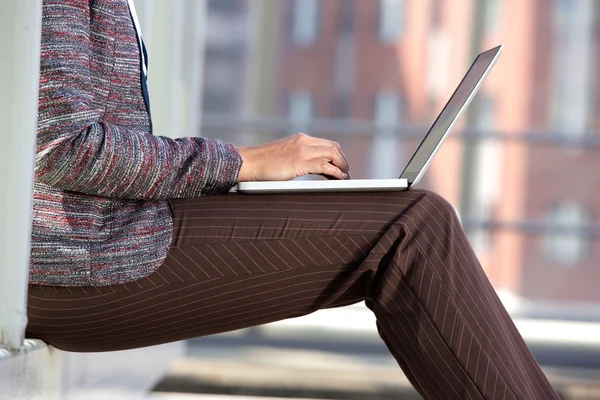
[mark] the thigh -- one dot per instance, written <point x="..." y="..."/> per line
<point x="235" y="261"/>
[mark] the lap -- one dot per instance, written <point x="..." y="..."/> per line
<point x="234" y="235"/>
<point x="239" y="217"/>
<point x="235" y="261"/>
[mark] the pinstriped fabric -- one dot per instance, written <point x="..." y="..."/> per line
<point x="238" y="261"/>
<point x="102" y="179"/>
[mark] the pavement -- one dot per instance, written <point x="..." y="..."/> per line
<point x="287" y="373"/>
<point x="337" y="354"/>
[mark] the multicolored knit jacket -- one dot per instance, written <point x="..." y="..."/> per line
<point x="102" y="179"/>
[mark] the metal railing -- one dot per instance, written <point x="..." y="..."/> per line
<point x="256" y="129"/>
<point x="361" y="127"/>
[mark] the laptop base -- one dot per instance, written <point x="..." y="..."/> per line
<point x="350" y="185"/>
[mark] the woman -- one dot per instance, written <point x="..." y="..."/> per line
<point x="113" y="266"/>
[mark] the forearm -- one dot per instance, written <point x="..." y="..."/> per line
<point x="110" y="161"/>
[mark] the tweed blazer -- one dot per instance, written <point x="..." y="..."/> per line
<point x="102" y="179"/>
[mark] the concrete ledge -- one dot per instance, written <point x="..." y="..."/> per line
<point x="29" y="346"/>
<point x="287" y="373"/>
<point x="40" y="372"/>
<point x="182" y="396"/>
<point x="337" y="353"/>
<point x="28" y="374"/>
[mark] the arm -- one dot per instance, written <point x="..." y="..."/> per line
<point x="77" y="151"/>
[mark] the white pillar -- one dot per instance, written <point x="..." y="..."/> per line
<point x="20" y="31"/>
<point x="194" y="62"/>
<point x="175" y="36"/>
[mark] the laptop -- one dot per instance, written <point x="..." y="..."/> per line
<point x="419" y="162"/>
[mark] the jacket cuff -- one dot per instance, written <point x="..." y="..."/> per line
<point x="221" y="168"/>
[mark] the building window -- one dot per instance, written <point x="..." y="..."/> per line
<point x="573" y="65"/>
<point x="487" y="172"/>
<point x="386" y="112"/>
<point x="391" y="17"/>
<point x="436" y="14"/>
<point x="341" y="107"/>
<point x="438" y="61"/>
<point x="219" y="100"/>
<point x="387" y="115"/>
<point x="226" y="6"/>
<point x="566" y="243"/>
<point x="492" y="15"/>
<point x="485" y="121"/>
<point x="305" y="20"/>
<point x="346" y="18"/>
<point x="300" y="111"/>
<point x="221" y="72"/>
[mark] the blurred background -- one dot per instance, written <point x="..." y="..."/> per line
<point x="522" y="168"/>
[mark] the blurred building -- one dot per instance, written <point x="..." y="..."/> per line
<point x="559" y="184"/>
<point x="529" y="205"/>
<point x="242" y="53"/>
<point x="227" y="47"/>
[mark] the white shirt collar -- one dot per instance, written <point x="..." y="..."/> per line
<point x="136" y="24"/>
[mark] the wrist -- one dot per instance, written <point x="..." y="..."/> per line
<point x="246" y="170"/>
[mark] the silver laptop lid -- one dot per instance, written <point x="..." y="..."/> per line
<point x="444" y="123"/>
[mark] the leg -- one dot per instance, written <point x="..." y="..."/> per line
<point x="435" y="298"/>
<point x="238" y="261"/>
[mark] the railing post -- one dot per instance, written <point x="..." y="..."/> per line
<point x="20" y="32"/>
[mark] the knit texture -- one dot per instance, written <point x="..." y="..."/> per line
<point x="100" y="214"/>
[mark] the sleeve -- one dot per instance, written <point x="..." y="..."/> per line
<point x="77" y="151"/>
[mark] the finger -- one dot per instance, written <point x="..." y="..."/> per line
<point x="338" y="147"/>
<point x="321" y="166"/>
<point x="324" y="142"/>
<point x="329" y="177"/>
<point x="330" y="153"/>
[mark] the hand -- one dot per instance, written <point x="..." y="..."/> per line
<point x="291" y="157"/>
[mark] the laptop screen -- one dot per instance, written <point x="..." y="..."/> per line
<point x="440" y="127"/>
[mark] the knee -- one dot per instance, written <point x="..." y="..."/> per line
<point x="431" y="205"/>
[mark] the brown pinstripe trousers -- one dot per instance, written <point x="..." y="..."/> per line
<point x="239" y="260"/>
